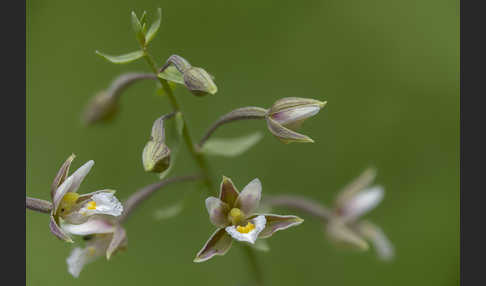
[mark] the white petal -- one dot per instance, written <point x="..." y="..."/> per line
<point x="92" y="226"/>
<point x="363" y="202"/>
<point x="295" y="114"/>
<point x="251" y="236"/>
<point x="65" y="187"/>
<point x="76" y="261"/>
<point x="72" y="183"/>
<point x="383" y="246"/>
<point x="95" y="248"/>
<point x="106" y="203"/>
<point x="79" y="175"/>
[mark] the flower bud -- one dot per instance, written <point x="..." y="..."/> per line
<point x="156" y="157"/>
<point x="156" y="154"/>
<point x="102" y="107"/>
<point x="288" y="114"/>
<point x="196" y="79"/>
<point x="199" y="82"/>
<point x="179" y="62"/>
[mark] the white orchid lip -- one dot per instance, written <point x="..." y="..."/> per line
<point x="102" y="203"/>
<point x="81" y="256"/>
<point x="92" y="226"/>
<point x="251" y="236"/>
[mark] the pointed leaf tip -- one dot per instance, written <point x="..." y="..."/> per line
<point x="122" y="59"/>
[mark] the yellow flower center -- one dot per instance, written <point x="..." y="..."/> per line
<point x="236" y="216"/>
<point x="91" y="205"/>
<point x="68" y="201"/>
<point x="245" y="229"/>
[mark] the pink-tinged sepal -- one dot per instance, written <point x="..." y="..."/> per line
<point x="361" y="203"/>
<point x="119" y="241"/>
<point x="357" y="185"/>
<point x="58" y="232"/>
<point x="250" y="196"/>
<point x="341" y="235"/>
<point x="228" y="193"/>
<point x="61" y="175"/>
<point x="218" y="211"/>
<point x="382" y="245"/>
<point x="218" y="244"/>
<point x="278" y="222"/>
<point x="287" y="114"/>
<point x="71" y="184"/>
<point x="286" y="135"/>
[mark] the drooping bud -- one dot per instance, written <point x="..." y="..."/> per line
<point x="102" y="107"/>
<point x="199" y="82"/>
<point x="179" y="62"/>
<point x="196" y="79"/>
<point x="156" y="154"/>
<point x="288" y="114"/>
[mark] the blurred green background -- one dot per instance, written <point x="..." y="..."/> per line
<point x="388" y="69"/>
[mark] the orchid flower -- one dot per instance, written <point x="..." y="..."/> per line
<point x="354" y="201"/>
<point x="73" y="208"/>
<point x="232" y="213"/>
<point x="103" y="236"/>
<point x="287" y="114"/>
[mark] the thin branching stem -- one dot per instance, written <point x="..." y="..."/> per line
<point x="144" y="193"/>
<point x="198" y="157"/>
<point x="38" y="205"/>
<point x="250" y="112"/>
<point x="302" y="204"/>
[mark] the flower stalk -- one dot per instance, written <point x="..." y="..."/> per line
<point x="144" y="193"/>
<point x="250" y="112"/>
<point x="38" y="205"/>
<point x="198" y="157"/>
<point x="308" y="206"/>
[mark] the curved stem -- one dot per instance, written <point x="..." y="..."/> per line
<point x="125" y="80"/>
<point x="38" y="205"/>
<point x="198" y="157"/>
<point x="305" y="205"/>
<point x="253" y="263"/>
<point x="144" y="193"/>
<point x="250" y="112"/>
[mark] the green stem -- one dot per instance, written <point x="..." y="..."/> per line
<point x="253" y="263"/>
<point x="198" y="157"/>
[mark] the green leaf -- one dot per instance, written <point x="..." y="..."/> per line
<point x="231" y="147"/>
<point x="169" y="211"/>
<point x="172" y="74"/>
<point x="143" y="18"/>
<point x="122" y="59"/>
<point x="138" y="28"/>
<point x="154" y="27"/>
<point x="136" y="25"/>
